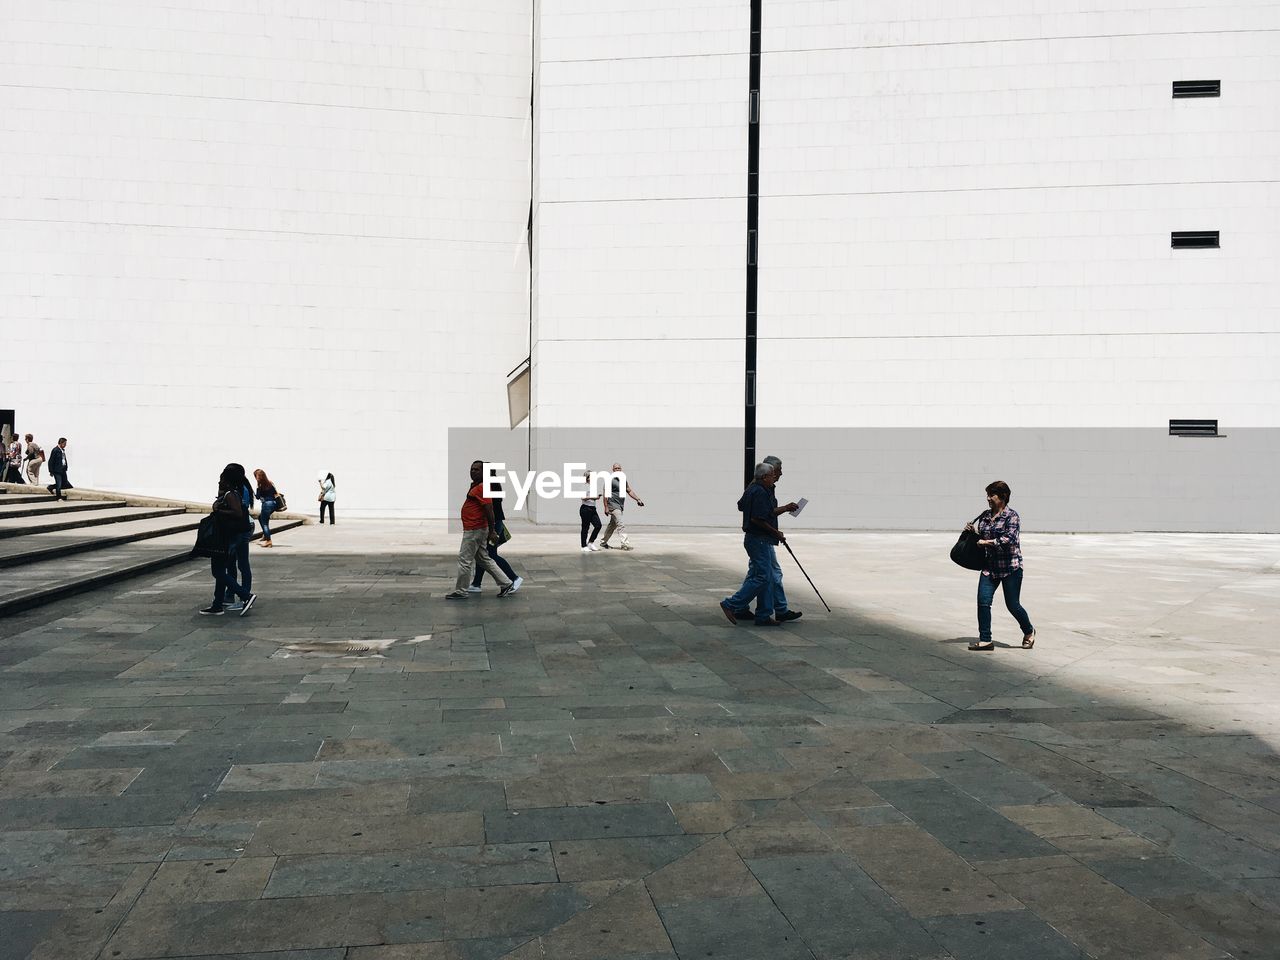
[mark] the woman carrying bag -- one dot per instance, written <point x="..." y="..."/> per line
<point x="328" y="494"/>
<point x="229" y="517"/>
<point x="999" y="532"/>
<point x="271" y="501"/>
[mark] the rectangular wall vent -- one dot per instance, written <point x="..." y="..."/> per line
<point x="1194" y="239"/>
<point x="1196" y="88"/>
<point x="1193" y="428"/>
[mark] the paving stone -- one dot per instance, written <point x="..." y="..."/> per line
<point x="968" y="827"/>
<point x="839" y="911"/>
<point x="988" y="780"/>
<point x="198" y="881"/>
<point x="630" y="857"/>
<point x="21" y="930"/>
<point x="1209" y="847"/>
<point x="922" y="874"/>
<point x="732" y="928"/>
<point x="581" y="823"/>
<point x="1005" y="935"/>
<point x="1104" y="920"/>
<point x="321" y="875"/>
<point x="366" y="834"/>
<point x="622" y="927"/>
<point x="713" y="871"/>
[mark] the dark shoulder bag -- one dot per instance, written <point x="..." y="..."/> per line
<point x="214" y="535"/>
<point x="966" y="552"/>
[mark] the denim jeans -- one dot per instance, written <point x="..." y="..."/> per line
<point x="224" y="582"/>
<point x="500" y="561"/>
<point x="987" y="592"/>
<point x="238" y="556"/>
<point x="268" y="508"/>
<point x="759" y="584"/>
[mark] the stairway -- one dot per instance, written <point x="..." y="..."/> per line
<point x="51" y="549"/>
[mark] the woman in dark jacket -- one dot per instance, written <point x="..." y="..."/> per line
<point x="999" y="531"/>
<point x="232" y="514"/>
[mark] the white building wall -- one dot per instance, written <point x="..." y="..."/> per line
<point x="290" y="235"/>
<point x="641" y="173"/>
<point x="640" y="239"/>
<point x="968" y="206"/>
<point x="965" y="219"/>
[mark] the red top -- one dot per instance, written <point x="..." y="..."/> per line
<point x="473" y="517"/>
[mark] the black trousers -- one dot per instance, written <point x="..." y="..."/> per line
<point x="590" y="518"/>
<point x="329" y="504"/>
<point x="13" y="474"/>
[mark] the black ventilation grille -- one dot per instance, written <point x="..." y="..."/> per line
<point x="1194" y="239"/>
<point x="1196" y="88"/>
<point x="1193" y="428"/>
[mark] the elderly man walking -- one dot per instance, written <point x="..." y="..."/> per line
<point x="761" y="535"/>
<point x="478" y="531"/>
<point x="615" y="500"/>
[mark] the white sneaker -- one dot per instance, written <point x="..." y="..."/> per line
<point x="593" y="547"/>
<point x="474" y="589"/>
<point x="586" y="549"/>
<point x="515" y="584"/>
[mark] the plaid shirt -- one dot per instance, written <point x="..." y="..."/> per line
<point x="1004" y="528"/>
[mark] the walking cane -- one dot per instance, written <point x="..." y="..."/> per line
<point x="806" y="575"/>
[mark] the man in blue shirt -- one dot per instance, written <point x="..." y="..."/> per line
<point x="761" y="535"/>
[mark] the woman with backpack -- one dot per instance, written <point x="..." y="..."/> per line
<point x="328" y="494"/>
<point x="233" y="518"/>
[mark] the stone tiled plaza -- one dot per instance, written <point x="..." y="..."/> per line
<point x="603" y="768"/>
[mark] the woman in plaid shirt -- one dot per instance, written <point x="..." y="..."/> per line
<point x="998" y="531"/>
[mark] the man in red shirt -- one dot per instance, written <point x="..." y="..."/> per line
<point x="477" y="533"/>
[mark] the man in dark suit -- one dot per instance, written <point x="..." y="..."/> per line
<point x="58" y="467"/>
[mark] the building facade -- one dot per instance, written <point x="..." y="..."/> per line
<point x="299" y="239"/>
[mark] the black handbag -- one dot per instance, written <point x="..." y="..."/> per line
<point x="966" y="552"/>
<point x="211" y="538"/>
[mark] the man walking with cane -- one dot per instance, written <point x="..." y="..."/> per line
<point x="761" y="535"/>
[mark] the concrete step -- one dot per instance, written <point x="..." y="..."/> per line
<point x="27" y="497"/>
<point x="25" y="526"/>
<point x="37" y="508"/>
<point x="20" y="551"/>
<point x="33" y="584"/>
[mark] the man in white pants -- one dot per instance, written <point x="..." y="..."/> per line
<point x="615" y="499"/>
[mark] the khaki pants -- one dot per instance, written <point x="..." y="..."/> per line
<point x="33" y="471"/>
<point x="474" y="550"/>
<point x="615" y="524"/>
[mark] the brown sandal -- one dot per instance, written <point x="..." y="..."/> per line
<point x="1029" y="640"/>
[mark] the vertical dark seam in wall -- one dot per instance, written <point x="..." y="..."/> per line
<point x="753" y="242"/>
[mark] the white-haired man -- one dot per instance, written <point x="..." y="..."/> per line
<point x="615" y="499"/>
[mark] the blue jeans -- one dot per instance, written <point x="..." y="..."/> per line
<point x="987" y="592"/>
<point x="224" y="581"/>
<point x="759" y="584"/>
<point x="502" y="565"/>
<point x="268" y="508"/>
<point x="238" y="556"/>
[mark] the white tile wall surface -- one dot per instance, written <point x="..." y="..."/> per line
<point x="966" y="211"/>
<point x="641" y="236"/>
<point x="288" y="234"/>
